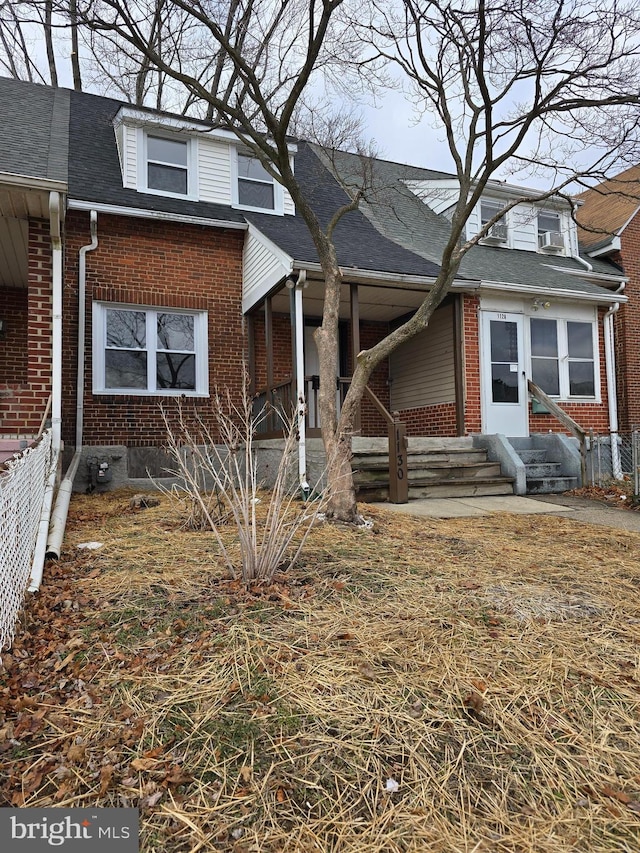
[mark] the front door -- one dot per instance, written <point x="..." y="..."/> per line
<point x="312" y="378"/>
<point x="504" y="387"/>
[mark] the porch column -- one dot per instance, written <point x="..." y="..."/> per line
<point x="268" y="347"/>
<point x="354" y="310"/>
<point x="301" y="403"/>
<point x="251" y="353"/>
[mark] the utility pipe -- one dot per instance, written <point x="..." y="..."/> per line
<point x="55" y="229"/>
<point x="61" y="509"/>
<point x="301" y="402"/>
<point x="612" y="397"/>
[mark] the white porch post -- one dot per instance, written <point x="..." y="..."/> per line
<point x="301" y="402"/>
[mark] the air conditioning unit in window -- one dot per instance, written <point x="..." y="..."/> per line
<point x="552" y="241"/>
<point x="497" y="234"/>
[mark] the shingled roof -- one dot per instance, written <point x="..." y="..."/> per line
<point x="608" y="207"/>
<point x="35" y="130"/>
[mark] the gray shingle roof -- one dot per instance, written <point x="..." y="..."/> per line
<point x="35" y="136"/>
<point x="402" y="217"/>
<point x="359" y="244"/>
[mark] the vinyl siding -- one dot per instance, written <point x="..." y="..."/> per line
<point x="130" y="156"/>
<point x="261" y="270"/>
<point x="214" y="171"/>
<point x="422" y="369"/>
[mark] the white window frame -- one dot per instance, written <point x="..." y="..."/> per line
<point x="504" y="219"/>
<point x="562" y="230"/>
<point x="143" y="160"/>
<point x="563" y="356"/>
<point x="278" y="189"/>
<point x="99" y="316"/>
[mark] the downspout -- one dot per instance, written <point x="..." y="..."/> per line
<point x="61" y="509"/>
<point x="612" y="396"/>
<point x="301" y="404"/>
<point x="55" y="226"/>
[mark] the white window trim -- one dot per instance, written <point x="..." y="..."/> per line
<point x="99" y="340"/>
<point x="494" y="202"/>
<point x="278" y="191"/>
<point x="192" y="163"/>
<point x="563" y="229"/>
<point x="563" y="356"/>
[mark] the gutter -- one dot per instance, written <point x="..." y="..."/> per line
<point x="61" y="509"/>
<point x="55" y="226"/>
<point x="559" y="293"/>
<point x="142" y="213"/>
<point x="612" y="395"/>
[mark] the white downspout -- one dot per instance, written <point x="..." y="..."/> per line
<point x="61" y="509"/>
<point x="37" y="564"/>
<point x="612" y="396"/>
<point x="301" y="405"/>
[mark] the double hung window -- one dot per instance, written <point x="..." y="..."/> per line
<point x="167" y="165"/>
<point x="149" y="351"/>
<point x="498" y="231"/>
<point x="255" y="185"/>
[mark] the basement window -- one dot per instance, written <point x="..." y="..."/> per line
<point x="149" y="351"/>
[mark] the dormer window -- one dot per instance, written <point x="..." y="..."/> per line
<point x="255" y="184"/>
<point x="550" y="237"/>
<point x="498" y="232"/>
<point x="166" y="167"/>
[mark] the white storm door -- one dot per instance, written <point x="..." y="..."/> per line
<point x="312" y="378"/>
<point x="504" y="388"/>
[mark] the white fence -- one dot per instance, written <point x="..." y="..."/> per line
<point x="22" y="487"/>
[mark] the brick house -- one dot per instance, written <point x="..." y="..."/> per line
<point x="184" y="260"/>
<point x="609" y="227"/>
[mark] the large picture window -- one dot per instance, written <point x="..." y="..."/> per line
<point x="149" y="351"/>
<point x="563" y="357"/>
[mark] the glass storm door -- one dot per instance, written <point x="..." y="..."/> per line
<point x="504" y="387"/>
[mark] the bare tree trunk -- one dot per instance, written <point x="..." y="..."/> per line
<point x="75" y="55"/>
<point x="48" y="39"/>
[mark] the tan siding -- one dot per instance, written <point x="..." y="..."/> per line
<point x="214" y="170"/>
<point x="423" y="369"/>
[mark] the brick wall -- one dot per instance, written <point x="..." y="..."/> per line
<point x="13" y="344"/>
<point x="627" y="331"/>
<point x="24" y="395"/>
<point x="152" y="263"/>
<point x="471" y="364"/>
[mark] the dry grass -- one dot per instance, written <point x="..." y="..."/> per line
<point x="490" y="667"/>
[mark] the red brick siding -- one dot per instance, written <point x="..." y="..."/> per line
<point x="282" y="360"/>
<point x="13" y="344"/>
<point x="471" y="364"/>
<point x="627" y="331"/>
<point x="439" y="419"/>
<point x="152" y="264"/>
<point x="25" y="394"/>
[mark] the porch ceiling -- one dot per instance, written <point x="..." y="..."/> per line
<point x="378" y="304"/>
<point x="17" y="202"/>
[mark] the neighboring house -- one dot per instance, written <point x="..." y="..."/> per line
<point x="186" y="258"/>
<point x="609" y="228"/>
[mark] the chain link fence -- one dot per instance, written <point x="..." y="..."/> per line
<point x="22" y="488"/>
<point x="614" y="456"/>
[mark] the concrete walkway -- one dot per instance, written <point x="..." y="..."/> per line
<point x="578" y="509"/>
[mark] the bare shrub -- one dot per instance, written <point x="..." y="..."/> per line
<point x="217" y="464"/>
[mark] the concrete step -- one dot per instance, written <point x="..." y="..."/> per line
<point x="450" y="489"/>
<point x="532" y="457"/>
<point x="440" y="472"/>
<point x="418" y="459"/>
<point x="544" y="469"/>
<point x="551" y="485"/>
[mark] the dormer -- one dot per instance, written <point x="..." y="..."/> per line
<point x="531" y="225"/>
<point x="186" y="159"/>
